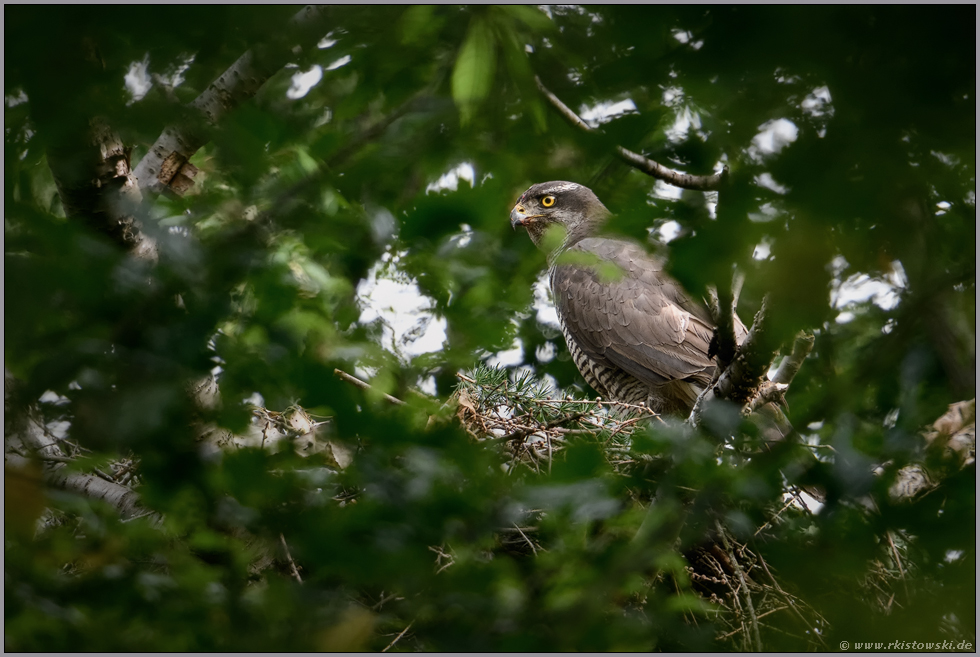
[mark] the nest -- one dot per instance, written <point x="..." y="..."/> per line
<point x="534" y="427"/>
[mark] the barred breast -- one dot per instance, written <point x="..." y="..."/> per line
<point x="610" y="382"/>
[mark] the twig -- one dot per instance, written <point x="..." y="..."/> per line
<point x="789" y="601"/>
<point x="898" y="562"/>
<point x="103" y="475"/>
<point x="529" y="541"/>
<point x="400" y="635"/>
<point x="520" y="433"/>
<point x="526" y="448"/>
<point x="623" y="425"/>
<point x="572" y="432"/>
<point x="145" y="514"/>
<point x="776" y="515"/>
<point x="635" y="160"/>
<point x="380" y="603"/>
<point x="441" y="554"/>
<point x="289" y="558"/>
<point x="744" y="586"/>
<point x="55" y="459"/>
<point x="364" y="385"/>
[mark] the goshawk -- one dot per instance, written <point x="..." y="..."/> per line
<point x="633" y="332"/>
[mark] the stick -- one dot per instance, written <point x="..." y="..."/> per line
<point x="520" y="433"/>
<point x="744" y="586"/>
<point x="364" y="385"/>
<point x="289" y="557"/>
<point x="400" y="635"/>
<point x="789" y="601"/>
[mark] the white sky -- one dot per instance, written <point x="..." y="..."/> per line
<point x="606" y="111"/>
<point x="304" y="81"/>
<point x="883" y="291"/>
<point x="773" y="137"/>
<point x="409" y="327"/>
<point x="449" y="181"/>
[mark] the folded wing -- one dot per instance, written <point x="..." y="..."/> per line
<point x="641" y="321"/>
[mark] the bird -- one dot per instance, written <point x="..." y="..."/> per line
<point x="633" y="332"/>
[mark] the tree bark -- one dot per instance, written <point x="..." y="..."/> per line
<point x="165" y="166"/>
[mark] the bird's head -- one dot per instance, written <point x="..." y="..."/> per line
<point x="564" y="212"/>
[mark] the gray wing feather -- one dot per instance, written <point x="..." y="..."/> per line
<point x="642" y="323"/>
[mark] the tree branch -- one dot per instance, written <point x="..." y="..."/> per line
<point x="97" y="186"/>
<point x="24" y="425"/>
<point x="635" y="160"/>
<point x="724" y="344"/>
<point x="88" y="161"/>
<point x="792" y="363"/>
<point x="165" y="165"/>
<point x="364" y="385"/>
<point x="769" y="393"/>
<point x="741" y="380"/>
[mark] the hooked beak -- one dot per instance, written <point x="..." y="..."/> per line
<point x="519" y="218"/>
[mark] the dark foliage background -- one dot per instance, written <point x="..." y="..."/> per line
<point x="879" y="181"/>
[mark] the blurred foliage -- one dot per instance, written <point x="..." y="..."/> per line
<point x="304" y="196"/>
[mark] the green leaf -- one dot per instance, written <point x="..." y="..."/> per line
<point x="532" y="17"/>
<point x="418" y="23"/>
<point x="475" y="66"/>
<point x="520" y="71"/>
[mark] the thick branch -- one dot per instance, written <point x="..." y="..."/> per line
<point x="747" y="370"/>
<point x="165" y="165"/>
<point x="125" y="500"/>
<point x="97" y="186"/>
<point x="24" y="426"/>
<point x="89" y="162"/>
<point x="769" y="393"/>
<point x="635" y="160"/>
<point x="741" y="380"/>
<point x="792" y="363"/>
<point x="951" y="438"/>
<point x="723" y="342"/>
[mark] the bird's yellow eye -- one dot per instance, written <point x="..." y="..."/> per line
<point x="548" y="201"/>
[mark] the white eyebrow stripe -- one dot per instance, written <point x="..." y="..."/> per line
<point x="563" y="188"/>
